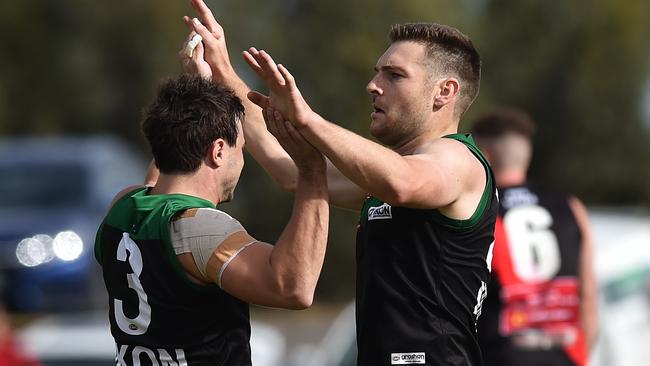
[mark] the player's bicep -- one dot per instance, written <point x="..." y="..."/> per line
<point x="240" y="266"/>
<point x="226" y="253"/>
<point x="431" y="181"/>
<point x="248" y="276"/>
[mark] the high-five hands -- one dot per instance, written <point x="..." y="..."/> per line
<point x="304" y="155"/>
<point x="284" y="110"/>
<point x="284" y="95"/>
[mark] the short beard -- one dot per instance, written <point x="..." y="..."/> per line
<point x="228" y="195"/>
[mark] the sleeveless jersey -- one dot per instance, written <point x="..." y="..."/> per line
<point x="421" y="278"/>
<point x="157" y="315"/>
<point x="532" y="314"/>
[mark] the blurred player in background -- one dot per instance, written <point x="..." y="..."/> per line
<point x="541" y="304"/>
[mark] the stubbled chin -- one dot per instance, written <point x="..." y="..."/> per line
<point x="376" y="128"/>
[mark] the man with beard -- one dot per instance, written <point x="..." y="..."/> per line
<point x="426" y="196"/>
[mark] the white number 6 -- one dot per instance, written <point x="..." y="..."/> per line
<point x="533" y="245"/>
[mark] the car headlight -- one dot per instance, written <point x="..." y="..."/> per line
<point x="67" y="245"/>
<point x="31" y="252"/>
<point x="41" y="248"/>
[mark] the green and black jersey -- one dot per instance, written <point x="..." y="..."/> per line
<point x="157" y="315"/>
<point x="421" y="279"/>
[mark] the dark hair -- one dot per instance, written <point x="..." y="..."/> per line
<point x="501" y="121"/>
<point x="187" y="116"/>
<point x="450" y="51"/>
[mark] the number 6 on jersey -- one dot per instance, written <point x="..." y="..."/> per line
<point x="533" y="245"/>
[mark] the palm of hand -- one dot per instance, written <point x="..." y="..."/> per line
<point x="195" y="65"/>
<point x="203" y="69"/>
<point x="290" y="103"/>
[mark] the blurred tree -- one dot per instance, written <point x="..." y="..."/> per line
<point x="579" y="68"/>
<point x="82" y="67"/>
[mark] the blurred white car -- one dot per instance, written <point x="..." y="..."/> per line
<point x="85" y="340"/>
<point x="54" y="192"/>
<point x="622" y="266"/>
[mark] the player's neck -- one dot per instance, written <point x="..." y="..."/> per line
<point x="188" y="184"/>
<point x="437" y="129"/>
<point x="510" y="177"/>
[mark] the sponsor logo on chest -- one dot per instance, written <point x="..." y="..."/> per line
<point x="380" y="213"/>
<point x="412" y="358"/>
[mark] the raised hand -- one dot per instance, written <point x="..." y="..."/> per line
<point x="214" y="41"/>
<point x="284" y="95"/>
<point x="195" y="64"/>
<point x="304" y="155"/>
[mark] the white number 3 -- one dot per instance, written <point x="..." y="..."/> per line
<point x="533" y="245"/>
<point x="139" y="324"/>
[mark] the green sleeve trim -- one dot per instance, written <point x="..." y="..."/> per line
<point x="487" y="192"/>
<point x="152" y="215"/>
<point x="369" y="202"/>
<point x="110" y="217"/>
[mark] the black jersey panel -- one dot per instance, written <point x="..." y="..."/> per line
<point x="155" y="314"/>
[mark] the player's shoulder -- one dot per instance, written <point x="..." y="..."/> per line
<point x="456" y="156"/>
<point x="447" y="148"/>
<point x="203" y="213"/>
<point x="121" y="194"/>
<point x="205" y="221"/>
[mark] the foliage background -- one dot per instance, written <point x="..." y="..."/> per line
<point x="579" y="67"/>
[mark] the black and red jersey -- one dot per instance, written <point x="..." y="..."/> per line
<point x="531" y="315"/>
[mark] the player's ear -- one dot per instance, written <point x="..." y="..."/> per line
<point x="447" y="90"/>
<point x="216" y="154"/>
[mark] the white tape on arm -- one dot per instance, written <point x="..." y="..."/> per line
<point x="209" y="234"/>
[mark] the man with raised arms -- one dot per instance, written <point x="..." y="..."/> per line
<point x="180" y="273"/>
<point x="427" y="197"/>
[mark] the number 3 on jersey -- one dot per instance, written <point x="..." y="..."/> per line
<point x="532" y="244"/>
<point x="139" y="324"/>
